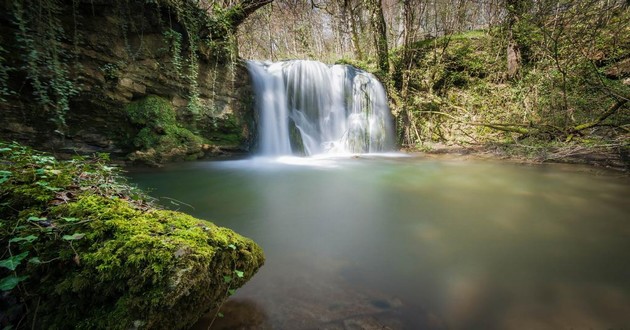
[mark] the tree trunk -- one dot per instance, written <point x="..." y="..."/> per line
<point x="515" y="10"/>
<point x="354" y="32"/>
<point x="241" y="10"/>
<point x="513" y="58"/>
<point x="405" y="113"/>
<point x="379" y="33"/>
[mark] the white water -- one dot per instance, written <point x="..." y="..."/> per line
<point x="309" y="108"/>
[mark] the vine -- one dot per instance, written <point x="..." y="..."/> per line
<point x="40" y="35"/>
<point x="218" y="43"/>
<point x="194" y="105"/>
<point x="4" y="77"/>
<point x="48" y="34"/>
<point x="175" y="40"/>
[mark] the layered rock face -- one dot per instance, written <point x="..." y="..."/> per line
<point x="107" y="55"/>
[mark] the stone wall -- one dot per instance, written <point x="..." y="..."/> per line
<point x="119" y="55"/>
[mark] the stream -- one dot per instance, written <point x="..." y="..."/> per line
<point x="401" y="242"/>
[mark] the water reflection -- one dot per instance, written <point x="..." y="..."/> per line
<point x="413" y="244"/>
<point x="235" y="314"/>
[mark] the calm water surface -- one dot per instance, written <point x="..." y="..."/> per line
<point x="412" y="243"/>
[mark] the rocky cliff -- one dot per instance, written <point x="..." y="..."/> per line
<point x="72" y="70"/>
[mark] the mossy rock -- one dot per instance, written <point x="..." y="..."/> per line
<point x="152" y="111"/>
<point x="94" y="254"/>
<point x="226" y="130"/>
<point x="160" y="138"/>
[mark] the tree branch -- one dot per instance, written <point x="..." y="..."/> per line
<point x="242" y="10"/>
<point x="601" y="118"/>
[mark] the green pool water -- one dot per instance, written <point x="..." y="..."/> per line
<point x="415" y="243"/>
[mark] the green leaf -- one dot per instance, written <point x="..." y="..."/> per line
<point x="232" y="246"/>
<point x="10" y="282"/>
<point x="232" y="291"/>
<point x="220" y="314"/>
<point x="28" y="239"/>
<point x="73" y="237"/>
<point x="46" y="185"/>
<point x="6" y="173"/>
<point x="34" y="261"/>
<point x="5" y="149"/>
<point x="227" y="279"/>
<point x="239" y="273"/>
<point x="14" y="261"/>
<point x="4" y="179"/>
<point x="36" y="219"/>
<point x="71" y="219"/>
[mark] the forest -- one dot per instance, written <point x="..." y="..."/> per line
<point x="541" y="79"/>
<point x="547" y="78"/>
<point x="396" y="161"/>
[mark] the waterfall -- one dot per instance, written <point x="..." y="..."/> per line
<point x="309" y="108"/>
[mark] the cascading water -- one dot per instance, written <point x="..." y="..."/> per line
<point x="309" y="108"/>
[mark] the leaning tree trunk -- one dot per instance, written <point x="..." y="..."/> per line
<point x="242" y="9"/>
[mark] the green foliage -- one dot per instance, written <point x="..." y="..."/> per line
<point x="174" y="39"/>
<point x="111" y="71"/>
<point x="41" y="34"/>
<point x="12" y="262"/>
<point x="48" y="38"/>
<point x="30" y="181"/>
<point x="160" y="138"/>
<point x="4" y="76"/>
<point x="363" y="65"/>
<point x="151" y="111"/>
<point x="173" y="137"/>
<point x="99" y="251"/>
<point x="217" y="42"/>
<point x="10" y="282"/>
<point x="454" y="89"/>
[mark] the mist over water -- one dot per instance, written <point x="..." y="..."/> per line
<point x="309" y="108"/>
<point x="410" y="243"/>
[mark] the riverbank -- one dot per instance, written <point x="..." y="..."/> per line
<point x="614" y="157"/>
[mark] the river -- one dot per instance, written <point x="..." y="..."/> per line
<point x="415" y="243"/>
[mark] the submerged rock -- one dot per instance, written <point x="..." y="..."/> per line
<point x="87" y="251"/>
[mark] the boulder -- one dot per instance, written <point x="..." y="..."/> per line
<point x="86" y="251"/>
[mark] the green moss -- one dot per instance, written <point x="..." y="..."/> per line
<point x="160" y="138"/>
<point x="152" y="111"/>
<point x="226" y="131"/>
<point x="147" y="262"/>
<point x="99" y="256"/>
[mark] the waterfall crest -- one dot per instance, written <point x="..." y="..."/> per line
<point x="309" y="108"/>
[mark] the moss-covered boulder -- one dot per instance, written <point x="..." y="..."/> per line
<point x="83" y="250"/>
